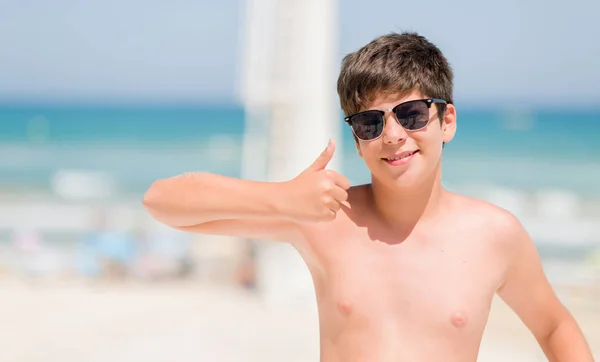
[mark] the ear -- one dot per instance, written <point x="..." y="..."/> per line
<point x="449" y="123"/>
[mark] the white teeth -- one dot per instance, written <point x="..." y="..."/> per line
<point x="399" y="157"/>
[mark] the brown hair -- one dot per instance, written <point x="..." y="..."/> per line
<point x="394" y="63"/>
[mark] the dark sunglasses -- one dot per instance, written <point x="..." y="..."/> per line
<point x="411" y="115"/>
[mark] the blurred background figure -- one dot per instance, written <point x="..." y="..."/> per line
<point x="100" y="99"/>
<point x="28" y="251"/>
<point x="107" y="252"/>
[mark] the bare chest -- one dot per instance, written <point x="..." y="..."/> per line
<point x="442" y="286"/>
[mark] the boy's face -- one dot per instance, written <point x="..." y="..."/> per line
<point x="423" y="147"/>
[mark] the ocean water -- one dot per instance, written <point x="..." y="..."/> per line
<point x="542" y="165"/>
<point x="509" y="148"/>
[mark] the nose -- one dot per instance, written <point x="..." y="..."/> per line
<point x="393" y="132"/>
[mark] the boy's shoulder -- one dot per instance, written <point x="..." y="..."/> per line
<point x="491" y="218"/>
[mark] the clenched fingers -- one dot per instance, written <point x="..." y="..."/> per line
<point x="334" y="205"/>
<point x="339" y="194"/>
<point x="339" y="179"/>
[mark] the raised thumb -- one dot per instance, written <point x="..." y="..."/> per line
<point x="321" y="162"/>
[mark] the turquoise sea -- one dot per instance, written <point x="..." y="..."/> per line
<point x="515" y="148"/>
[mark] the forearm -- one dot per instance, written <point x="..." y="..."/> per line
<point x="196" y="198"/>
<point x="567" y="343"/>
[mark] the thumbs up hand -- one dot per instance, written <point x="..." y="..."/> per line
<point x="316" y="194"/>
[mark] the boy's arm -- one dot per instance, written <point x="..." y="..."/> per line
<point x="196" y="198"/>
<point x="274" y="230"/>
<point x="527" y="291"/>
<point x="214" y="204"/>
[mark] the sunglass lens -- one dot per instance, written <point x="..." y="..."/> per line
<point x="413" y="115"/>
<point x="367" y="126"/>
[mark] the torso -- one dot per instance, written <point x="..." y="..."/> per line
<point x="426" y="298"/>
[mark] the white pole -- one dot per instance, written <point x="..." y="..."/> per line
<point x="303" y="118"/>
<point x="303" y="114"/>
<point x="255" y="85"/>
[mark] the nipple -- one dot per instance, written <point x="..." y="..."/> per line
<point x="458" y="319"/>
<point x="345" y="307"/>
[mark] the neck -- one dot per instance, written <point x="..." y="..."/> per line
<point x="401" y="208"/>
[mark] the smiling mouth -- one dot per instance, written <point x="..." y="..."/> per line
<point x="401" y="156"/>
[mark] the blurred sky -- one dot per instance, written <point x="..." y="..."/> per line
<point x="511" y="51"/>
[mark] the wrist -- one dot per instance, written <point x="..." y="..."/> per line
<point x="277" y="196"/>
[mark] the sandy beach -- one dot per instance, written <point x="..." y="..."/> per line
<point x="191" y="321"/>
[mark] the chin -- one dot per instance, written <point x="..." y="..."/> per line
<point x="406" y="181"/>
<point x="413" y="176"/>
<point x="408" y="178"/>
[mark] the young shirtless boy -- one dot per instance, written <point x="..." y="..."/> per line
<point x="403" y="269"/>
